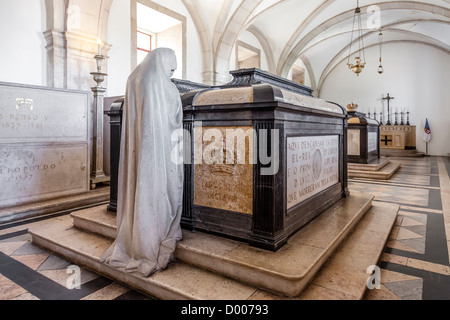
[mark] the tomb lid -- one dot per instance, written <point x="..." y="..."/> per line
<point x="251" y="76"/>
<point x="261" y="93"/>
<point x="360" y="118"/>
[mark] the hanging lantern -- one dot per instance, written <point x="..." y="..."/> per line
<point x="357" y="28"/>
<point x="380" y="41"/>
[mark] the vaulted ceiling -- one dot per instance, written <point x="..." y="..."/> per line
<point x="316" y="31"/>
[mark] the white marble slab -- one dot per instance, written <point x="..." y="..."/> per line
<point x="312" y="166"/>
<point x="372" y="141"/>
<point x="30" y="172"/>
<point x="42" y="114"/>
<point x="353" y="142"/>
<point x="44" y="143"/>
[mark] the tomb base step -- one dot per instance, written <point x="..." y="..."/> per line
<point x="179" y="281"/>
<point x="205" y="262"/>
<point x="400" y="153"/>
<point x="52" y="206"/>
<point x="374" y="165"/>
<point x="383" y="174"/>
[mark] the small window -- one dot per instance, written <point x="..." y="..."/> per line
<point x="144" y="44"/>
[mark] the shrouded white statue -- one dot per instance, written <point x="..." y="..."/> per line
<point x="150" y="184"/>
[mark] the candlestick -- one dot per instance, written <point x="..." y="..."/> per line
<point x="97" y="172"/>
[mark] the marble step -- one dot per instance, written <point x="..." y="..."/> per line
<point x="384" y="173"/>
<point x="401" y="153"/>
<point x="287" y="271"/>
<point x="373" y="166"/>
<point x="179" y="281"/>
<point x="51" y="206"/>
<point x="343" y="276"/>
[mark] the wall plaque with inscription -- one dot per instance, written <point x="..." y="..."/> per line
<point x="44" y="143"/>
<point x="312" y="166"/>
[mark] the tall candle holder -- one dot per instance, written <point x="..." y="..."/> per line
<point x="396" y="118"/>
<point x="407" y="118"/>
<point x="381" y="118"/>
<point x="402" y="115"/>
<point x="99" y="76"/>
<point x="375" y="115"/>
<point x="97" y="172"/>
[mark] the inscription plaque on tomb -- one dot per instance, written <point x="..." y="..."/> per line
<point x="223" y="168"/>
<point x="372" y="141"/>
<point x="44" y="143"/>
<point x="312" y="166"/>
<point x="30" y="113"/>
<point x="31" y="172"/>
<point x="354" y="140"/>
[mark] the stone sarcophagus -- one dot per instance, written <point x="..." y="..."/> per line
<point x="363" y="138"/>
<point x="260" y="161"/>
<point x="262" y="157"/>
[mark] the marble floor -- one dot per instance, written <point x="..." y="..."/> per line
<point x="414" y="264"/>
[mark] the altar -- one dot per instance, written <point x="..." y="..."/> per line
<point x="400" y="137"/>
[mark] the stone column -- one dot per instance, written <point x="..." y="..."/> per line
<point x="56" y="59"/>
<point x="97" y="172"/>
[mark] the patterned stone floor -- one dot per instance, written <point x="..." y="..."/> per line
<point x="414" y="264"/>
<point x="415" y="261"/>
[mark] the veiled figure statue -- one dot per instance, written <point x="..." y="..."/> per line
<point x="150" y="183"/>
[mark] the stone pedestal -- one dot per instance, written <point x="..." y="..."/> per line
<point x="115" y="122"/>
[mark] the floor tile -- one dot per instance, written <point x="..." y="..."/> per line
<point x="8" y="289"/>
<point x="54" y="262"/>
<point x="407" y="290"/>
<point x="32" y="261"/>
<point x="28" y="248"/>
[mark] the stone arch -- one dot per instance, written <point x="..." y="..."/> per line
<point x="312" y="77"/>
<point x="228" y="38"/>
<point x="205" y="41"/>
<point x="265" y="44"/>
<point x="284" y="65"/>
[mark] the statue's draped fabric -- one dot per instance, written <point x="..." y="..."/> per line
<point x="150" y="182"/>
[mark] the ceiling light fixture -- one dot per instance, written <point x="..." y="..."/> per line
<point x="380" y="40"/>
<point x="357" y="28"/>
